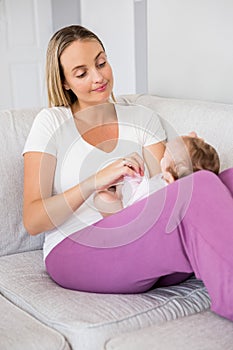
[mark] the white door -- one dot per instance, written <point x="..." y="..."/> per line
<point x="25" y="28"/>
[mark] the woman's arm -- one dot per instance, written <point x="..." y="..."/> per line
<point x="152" y="155"/>
<point x="43" y="211"/>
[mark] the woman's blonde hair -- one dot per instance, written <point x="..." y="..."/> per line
<point x="57" y="94"/>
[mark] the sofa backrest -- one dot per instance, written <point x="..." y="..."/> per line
<point x="14" y="128"/>
<point x="212" y="121"/>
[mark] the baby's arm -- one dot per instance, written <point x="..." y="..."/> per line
<point x="135" y="189"/>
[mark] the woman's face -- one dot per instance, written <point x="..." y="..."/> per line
<point x="87" y="72"/>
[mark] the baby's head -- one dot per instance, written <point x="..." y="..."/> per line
<point x="185" y="155"/>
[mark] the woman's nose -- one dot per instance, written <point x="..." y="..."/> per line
<point x="96" y="76"/>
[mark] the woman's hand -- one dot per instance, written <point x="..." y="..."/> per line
<point x="131" y="165"/>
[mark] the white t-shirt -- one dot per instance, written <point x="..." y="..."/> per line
<point x="54" y="132"/>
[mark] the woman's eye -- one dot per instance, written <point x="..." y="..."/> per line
<point x="81" y="75"/>
<point x="102" y="64"/>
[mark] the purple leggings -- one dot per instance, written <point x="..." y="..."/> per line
<point x="190" y="232"/>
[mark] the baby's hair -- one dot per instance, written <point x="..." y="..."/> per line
<point x="202" y="157"/>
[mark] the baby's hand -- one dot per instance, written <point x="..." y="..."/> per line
<point x="192" y="134"/>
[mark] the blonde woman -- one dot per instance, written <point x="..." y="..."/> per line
<point x="86" y="142"/>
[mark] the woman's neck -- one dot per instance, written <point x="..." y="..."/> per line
<point x="95" y="114"/>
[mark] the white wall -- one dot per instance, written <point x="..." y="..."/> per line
<point x="189" y="55"/>
<point x="113" y="22"/>
<point x="25" y="27"/>
<point x="190" y="49"/>
<point x="65" y="13"/>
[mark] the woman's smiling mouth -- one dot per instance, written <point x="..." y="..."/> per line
<point x="101" y="88"/>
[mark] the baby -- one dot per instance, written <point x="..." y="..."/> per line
<point x="183" y="156"/>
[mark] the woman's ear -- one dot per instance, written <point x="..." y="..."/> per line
<point x="66" y="86"/>
<point x="168" y="177"/>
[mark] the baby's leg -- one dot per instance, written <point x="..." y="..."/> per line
<point x="107" y="202"/>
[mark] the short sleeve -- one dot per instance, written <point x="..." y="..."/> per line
<point x="42" y="136"/>
<point x="154" y="131"/>
<point x="147" y="125"/>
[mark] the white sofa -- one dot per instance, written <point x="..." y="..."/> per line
<point x="38" y="314"/>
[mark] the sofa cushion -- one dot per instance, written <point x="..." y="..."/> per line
<point x="203" y="331"/>
<point x="89" y="320"/>
<point x="14" y="127"/>
<point x="212" y="121"/>
<point x="18" y="330"/>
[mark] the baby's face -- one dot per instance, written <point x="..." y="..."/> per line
<point x="175" y="154"/>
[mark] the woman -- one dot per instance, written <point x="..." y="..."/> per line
<point x="84" y="144"/>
